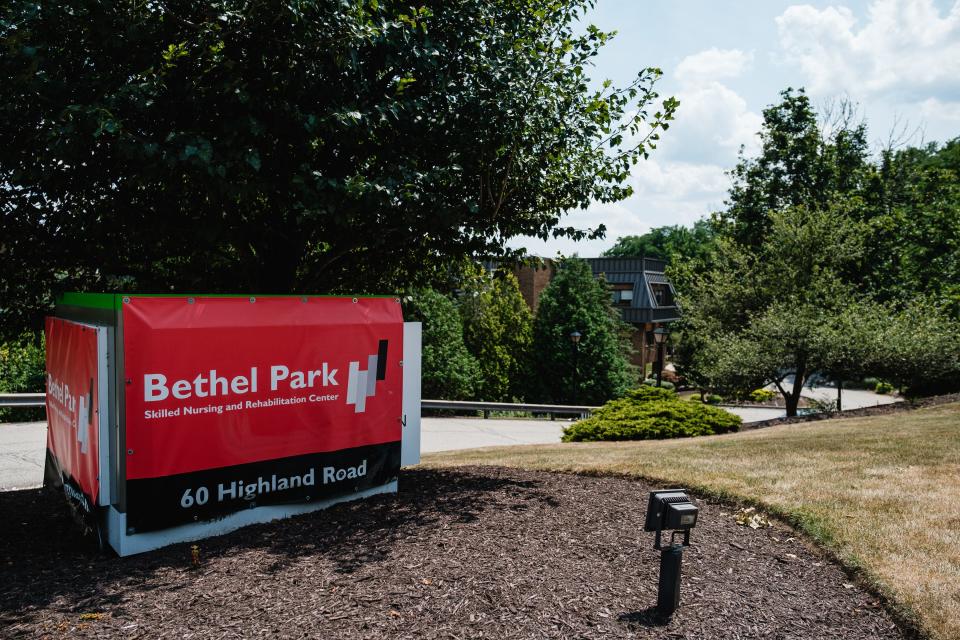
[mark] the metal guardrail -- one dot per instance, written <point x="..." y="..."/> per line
<point x="39" y="400"/>
<point x="487" y="407"/>
<point x="22" y="400"/>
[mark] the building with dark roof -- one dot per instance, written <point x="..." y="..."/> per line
<point x="639" y="288"/>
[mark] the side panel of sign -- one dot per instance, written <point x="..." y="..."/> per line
<point x="233" y="403"/>
<point x="73" y="403"/>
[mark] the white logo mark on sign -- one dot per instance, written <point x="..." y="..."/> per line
<point x="361" y="384"/>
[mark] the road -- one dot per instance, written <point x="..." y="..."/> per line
<point x="22" y="451"/>
<point x="22" y="446"/>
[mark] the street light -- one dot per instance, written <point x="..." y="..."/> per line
<point x="575" y="339"/>
<point x="660" y="335"/>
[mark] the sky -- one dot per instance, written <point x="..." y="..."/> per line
<point x="898" y="60"/>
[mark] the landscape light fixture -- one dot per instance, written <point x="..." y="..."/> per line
<point x="670" y="510"/>
<point x="575" y="337"/>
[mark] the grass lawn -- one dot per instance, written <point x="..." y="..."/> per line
<point x="882" y="493"/>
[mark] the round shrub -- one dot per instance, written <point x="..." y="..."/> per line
<point x="762" y="395"/>
<point x="647" y="393"/>
<point x="648" y="413"/>
<point x="883" y="388"/>
<point x="714" y="399"/>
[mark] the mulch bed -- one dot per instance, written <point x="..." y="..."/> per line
<point x="479" y="552"/>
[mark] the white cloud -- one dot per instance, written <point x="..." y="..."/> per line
<point x="935" y="110"/>
<point x="680" y="181"/>
<point x="665" y="193"/>
<point x="713" y="120"/>
<point x="713" y="64"/>
<point x="685" y="178"/>
<point x="905" y="48"/>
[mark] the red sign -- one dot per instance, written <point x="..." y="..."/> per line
<point x="232" y="401"/>
<point x="72" y="408"/>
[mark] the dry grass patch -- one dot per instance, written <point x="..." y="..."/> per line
<point x="883" y="493"/>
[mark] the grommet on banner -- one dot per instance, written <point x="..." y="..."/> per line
<point x="252" y="300"/>
<point x="303" y="299"/>
<point x="354" y="301"/>
<point x="129" y="452"/>
<point x="126" y="300"/>
<point x="189" y="300"/>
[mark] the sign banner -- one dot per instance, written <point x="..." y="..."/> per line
<point x="73" y="430"/>
<point x="235" y="402"/>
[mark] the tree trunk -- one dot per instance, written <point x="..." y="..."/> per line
<point x="792" y="401"/>
<point x="839" y="395"/>
<point x="793" y="398"/>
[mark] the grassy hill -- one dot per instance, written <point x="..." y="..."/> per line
<point x="882" y="493"/>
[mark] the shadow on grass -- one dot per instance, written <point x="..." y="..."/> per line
<point x="44" y="558"/>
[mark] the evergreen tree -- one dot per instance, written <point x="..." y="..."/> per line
<point x="497" y="328"/>
<point x="595" y="370"/>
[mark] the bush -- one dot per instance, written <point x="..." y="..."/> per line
<point x="22" y="370"/>
<point x="649" y="393"/>
<point x="650" y="413"/>
<point x="883" y="388"/>
<point x="714" y="399"/>
<point x="762" y="395"/>
<point x="818" y="405"/>
<point x="664" y="384"/>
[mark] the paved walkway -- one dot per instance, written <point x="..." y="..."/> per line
<point x="22" y="451"/>
<point x="446" y="434"/>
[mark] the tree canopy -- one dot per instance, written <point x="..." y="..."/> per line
<point x="673" y="243"/>
<point x="826" y="262"/>
<point x="322" y="146"/>
<point x="800" y="163"/>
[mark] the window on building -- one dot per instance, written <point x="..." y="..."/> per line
<point x="663" y="295"/>
<point x="622" y="294"/>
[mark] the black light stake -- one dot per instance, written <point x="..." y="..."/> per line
<point x="575" y="339"/>
<point x="671" y="510"/>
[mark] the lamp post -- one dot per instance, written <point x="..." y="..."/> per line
<point x="660" y="338"/>
<point x="575" y="339"/>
